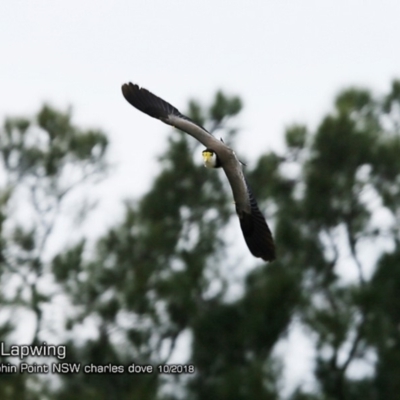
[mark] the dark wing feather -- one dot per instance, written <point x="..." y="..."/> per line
<point x="151" y="104"/>
<point x="256" y="232"/>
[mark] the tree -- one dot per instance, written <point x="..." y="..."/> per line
<point x="160" y="275"/>
<point x="348" y="175"/>
<point x="44" y="158"/>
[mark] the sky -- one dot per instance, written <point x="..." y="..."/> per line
<point x="286" y="59"/>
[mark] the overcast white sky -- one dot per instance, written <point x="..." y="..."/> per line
<point x="286" y="59"/>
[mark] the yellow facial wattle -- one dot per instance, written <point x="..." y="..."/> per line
<point x="207" y="155"/>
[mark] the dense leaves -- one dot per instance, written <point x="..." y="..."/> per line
<point x="163" y="278"/>
<point x="44" y="158"/>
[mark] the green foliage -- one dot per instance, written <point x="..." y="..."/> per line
<point x="296" y="136"/>
<point x="224" y="107"/>
<point x="47" y="148"/>
<point x="43" y="158"/>
<point x="68" y="263"/>
<point x="353" y="100"/>
<point x="323" y="210"/>
<point x="393" y="98"/>
<point x="163" y="273"/>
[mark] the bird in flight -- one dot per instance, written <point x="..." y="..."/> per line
<point x="217" y="154"/>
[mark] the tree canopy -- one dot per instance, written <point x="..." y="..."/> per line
<point x="162" y="276"/>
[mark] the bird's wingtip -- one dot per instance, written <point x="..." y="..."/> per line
<point x="147" y="102"/>
<point x="129" y="88"/>
<point x="257" y="235"/>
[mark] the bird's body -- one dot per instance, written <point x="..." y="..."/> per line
<point x="217" y="154"/>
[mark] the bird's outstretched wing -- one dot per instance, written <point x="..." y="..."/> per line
<point x="255" y="229"/>
<point x="156" y="107"/>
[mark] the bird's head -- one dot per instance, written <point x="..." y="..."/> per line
<point x="210" y="159"/>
